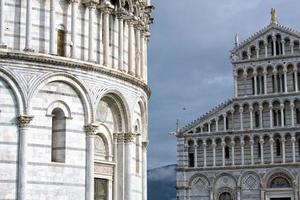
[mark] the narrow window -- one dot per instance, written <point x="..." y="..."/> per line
<point x="227" y="152"/>
<point x="253" y="86"/>
<point x="282" y="83"/>
<point x="278" y="147"/>
<point x="258" y="149"/>
<point x="191" y="160"/>
<point x="257" y="119"/>
<point x="273" y="84"/>
<point x="297" y="115"/>
<point x="275" y="122"/>
<point x="227" y="123"/>
<point x="58" y="147"/>
<point x="299" y="146"/>
<point x="61" y="41"/>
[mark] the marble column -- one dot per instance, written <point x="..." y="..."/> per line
<point x="224" y="120"/>
<point x="74" y="10"/>
<point x="90" y="130"/>
<point x="217" y="124"/>
<point x="52" y="32"/>
<point x="106" y="48"/>
<point x="121" y="42"/>
<point x="138" y="51"/>
<point x="285" y="80"/>
<point x="275" y="81"/>
<point x="232" y="153"/>
<point x="265" y="81"/>
<point x="214" y="153"/>
<point x="292" y="48"/>
<point x="271" y="115"/>
<point x="195" y="155"/>
<point x="128" y="139"/>
<point x="115" y="169"/>
<point x="272" y="149"/>
<point x="131" y="49"/>
<point x="223" y="153"/>
<point x="23" y="122"/>
<point x="261" y="143"/>
<point x="255" y="83"/>
<point x="274" y="45"/>
<point x="293" y="140"/>
<point x="283" y="149"/>
<point x="282" y="114"/>
<point x="2" y="26"/>
<point x="292" y="106"/>
<point x="251" y="117"/>
<point x="296" y="79"/>
<point x="252" y="151"/>
<point x="241" y="119"/>
<point x="142" y="59"/>
<point x="145" y="147"/>
<point x="115" y="42"/>
<point x="266" y="49"/>
<point x="28" y="36"/>
<point x="204" y="155"/>
<point x="209" y="126"/>
<point x="261" y="116"/>
<point x="283" y="46"/>
<point x="91" y="48"/>
<point x="243" y="152"/>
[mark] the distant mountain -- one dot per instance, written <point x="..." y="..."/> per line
<point x="162" y="183"/>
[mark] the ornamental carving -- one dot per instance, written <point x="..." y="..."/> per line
<point x="102" y="169"/>
<point x="124" y="137"/>
<point x="91" y="129"/>
<point x="24" y="120"/>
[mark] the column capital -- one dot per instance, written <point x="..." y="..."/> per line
<point x="241" y="110"/>
<point x="251" y="141"/>
<point x="251" y="109"/>
<point x="281" y="106"/>
<point x="24" y="120"/>
<point x="92" y="4"/>
<point x="73" y="1"/>
<point x="293" y="139"/>
<point x="242" y="143"/>
<point x="292" y="105"/>
<point x="91" y="129"/>
<point x="261" y="108"/>
<point x="223" y="144"/>
<point x="271" y="140"/>
<point x="129" y="137"/>
<point x="232" y="143"/>
<point x="261" y="141"/>
<point x="106" y="7"/>
<point x="283" y="140"/>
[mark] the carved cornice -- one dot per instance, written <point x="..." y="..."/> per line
<point x="91" y="129"/>
<point x="24" y="120"/>
<point x="40" y="59"/>
<point x="90" y="3"/>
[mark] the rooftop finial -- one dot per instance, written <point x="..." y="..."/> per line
<point x="236" y="40"/>
<point x="274" y="17"/>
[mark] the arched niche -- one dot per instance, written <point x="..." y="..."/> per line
<point x="250" y="186"/>
<point x="199" y="188"/>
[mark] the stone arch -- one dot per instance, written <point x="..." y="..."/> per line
<point x="250" y="184"/>
<point x="199" y="185"/>
<point x="225" y="180"/>
<point x="118" y="107"/>
<point x="61" y="105"/>
<point x="104" y="132"/>
<point x="141" y="103"/>
<point x="17" y="91"/>
<point x="70" y="80"/>
<point x="102" y="147"/>
<point x="278" y="172"/>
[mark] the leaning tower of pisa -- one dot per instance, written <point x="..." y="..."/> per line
<point x="73" y="99"/>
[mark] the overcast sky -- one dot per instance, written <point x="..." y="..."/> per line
<point x="189" y="63"/>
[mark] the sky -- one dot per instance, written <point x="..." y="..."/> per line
<point x="188" y="66"/>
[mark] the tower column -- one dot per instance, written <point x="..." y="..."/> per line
<point x="138" y="51"/>
<point x="292" y="48"/>
<point x="106" y="10"/>
<point x="252" y="151"/>
<point x="285" y="80"/>
<point x="293" y="140"/>
<point x="266" y="49"/>
<point x="217" y="124"/>
<point x="292" y="105"/>
<point x="142" y="56"/>
<point x="241" y="118"/>
<point x="296" y="79"/>
<point x="283" y="149"/>
<point x="204" y="154"/>
<point x="74" y="4"/>
<point x="282" y="114"/>
<point x="2" y="5"/>
<point x="28" y="46"/>
<point x="129" y="138"/>
<point x="224" y="120"/>
<point x="196" y="155"/>
<point x="251" y="117"/>
<point x="275" y="81"/>
<point x="265" y="82"/>
<point x="261" y="143"/>
<point x="223" y="153"/>
<point x="52" y="33"/>
<point x="243" y="152"/>
<point x="232" y="153"/>
<point x="90" y="130"/>
<point x="121" y="42"/>
<point x="261" y="108"/>
<point x="255" y="83"/>
<point x="92" y="8"/>
<point x="214" y="152"/>
<point x="271" y="115"/>
<point x="145" y="145"/>
<point x="283" y="46"/>
<point x="272" y="149"/>
<point x="274" y="45"/>
<point x="131" y="50"/>
<point x="235" y="85"/>
<point x="23" y="122"/>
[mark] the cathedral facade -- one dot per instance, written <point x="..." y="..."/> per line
<point x="248" y="148"/>
<point x="74" y="99"/>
